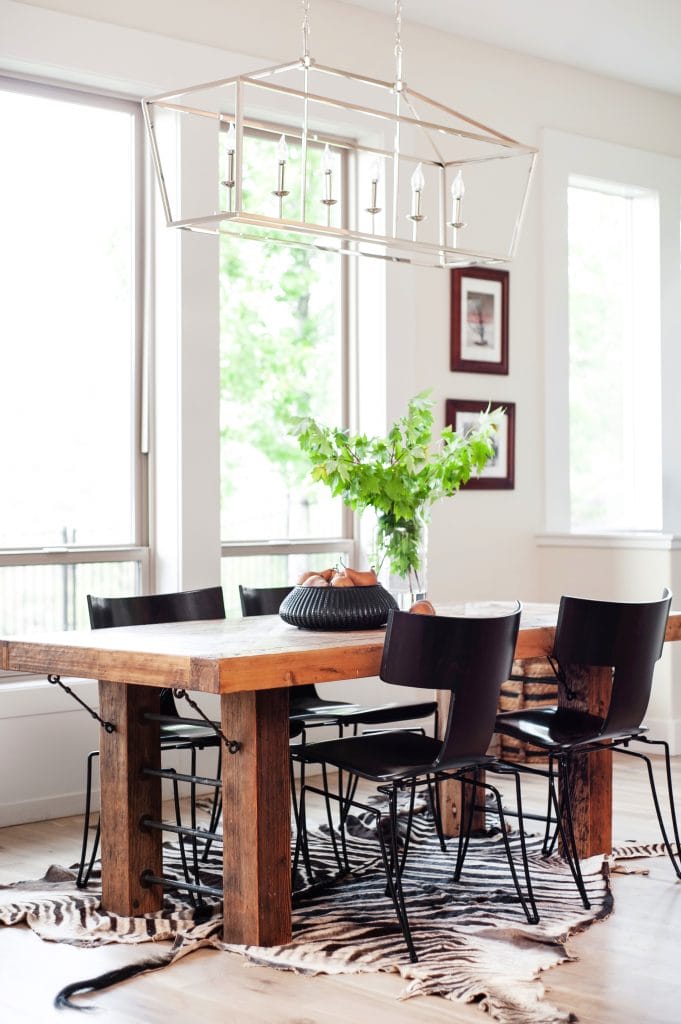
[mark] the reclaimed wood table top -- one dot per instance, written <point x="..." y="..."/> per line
<point x="229" y="655"/>
<point x="225" y="655"/>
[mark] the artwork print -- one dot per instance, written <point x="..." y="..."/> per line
<point x="479" y="321"/>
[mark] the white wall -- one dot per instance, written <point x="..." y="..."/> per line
<point x="482" y="544"/>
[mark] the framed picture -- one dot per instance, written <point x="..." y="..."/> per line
<point x="479" y="324"/>
<point x="499" y="473"/>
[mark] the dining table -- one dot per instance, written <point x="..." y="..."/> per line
<point x="251" y="663"/>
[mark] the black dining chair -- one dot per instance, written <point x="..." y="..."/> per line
<point x="313" y="711"/>
<point x="626" y="638"/>
<point x="184" y="606"/>
<point x="470" y="658"/>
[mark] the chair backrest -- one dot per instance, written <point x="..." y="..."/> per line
<point x="470" y="657"/>
<point x="267" y="601"/>
<point x="624" y="636"/>
<point x="142" y="610"/>
<point x="262" y="600"/>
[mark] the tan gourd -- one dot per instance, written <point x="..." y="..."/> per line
<point x="315" y="581"/>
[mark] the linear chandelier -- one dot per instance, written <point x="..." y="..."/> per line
<point x="303" y="154"/>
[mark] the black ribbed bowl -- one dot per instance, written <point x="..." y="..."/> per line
<point x="336" y="608"/>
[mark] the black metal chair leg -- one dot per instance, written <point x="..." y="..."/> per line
<point x="83" y="872"/>
<point x="304" y="844"/>
<point x="294" y="795"/>
<point x="298" y="815"/>
<point x="550" y="840"/>
<point x="466" y="829"/>
<point x="345" y="802"/>
<point x="395" y="874"/>
<point x="216" y="810"/>
<point x="436" y="810"/>
<point x="656" y="802"/>
<point x="568" y="838"/>
<point x="408" y="830"/>
<point x="329" y="818"/>
<point x="401" y="858"/>
<point x="192" y="810"/>
<point x="531" y="911"/>
<point x="343" y="805"/>
<point x="670" y="794"/>
<point x="397" y="903"/>
<point x="523" y="847"/>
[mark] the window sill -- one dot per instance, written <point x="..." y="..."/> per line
<point x="653" y="540"/>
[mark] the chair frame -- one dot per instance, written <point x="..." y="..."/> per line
<point x="451" y="762"/>
<point x="621" y="724"/>
<point x="115" y="612"/>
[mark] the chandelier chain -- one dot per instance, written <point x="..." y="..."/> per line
<point x="305" y="4"/>
<point x="398" y="41"/>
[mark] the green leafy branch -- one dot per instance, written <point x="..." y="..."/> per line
<point x="399" y="475"/>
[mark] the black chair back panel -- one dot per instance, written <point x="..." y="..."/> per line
<point x="610" y="633"/>
<point x="149" y="609"/>
<point x="470" y="657"/>
<point x="262" y="600"/>
<point x="627" y="637"/>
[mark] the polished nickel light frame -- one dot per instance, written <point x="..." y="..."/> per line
<point x="416" y="140"/>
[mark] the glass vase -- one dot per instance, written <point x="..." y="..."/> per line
<point x="410" y="585"/>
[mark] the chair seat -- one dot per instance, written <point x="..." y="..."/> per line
<point x="191" y="735"/>
<point x="558" y="728"/>
<point x="354" y="714"/>
<point x="386" y="756"/>
<point x="386" y="714"/>
<point x="309" y="707"/>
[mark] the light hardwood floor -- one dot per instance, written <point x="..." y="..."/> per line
<point x="628" y="968"/>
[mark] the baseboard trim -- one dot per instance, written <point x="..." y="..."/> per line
<point x="41" y="808"/>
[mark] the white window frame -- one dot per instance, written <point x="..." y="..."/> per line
<point x="137" y="551"/>
<point x="566" y="156"/>
<point x="346" y="543"/>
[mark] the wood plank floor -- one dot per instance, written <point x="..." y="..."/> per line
<point x="628" y="967"/>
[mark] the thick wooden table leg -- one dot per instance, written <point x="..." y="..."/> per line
<point x="590" y="779"/>
<point x="127" y="796"/>
<point x="257" y="819"/>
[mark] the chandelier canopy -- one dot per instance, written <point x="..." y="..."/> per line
<point x="309" y="155"/>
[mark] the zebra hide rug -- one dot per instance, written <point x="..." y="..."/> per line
<point x="473" y="940"/>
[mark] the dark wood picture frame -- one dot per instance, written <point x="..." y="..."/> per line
<point x="500" y="473"/>
<point x="479" y="320"/>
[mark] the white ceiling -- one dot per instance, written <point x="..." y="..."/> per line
<point x="634" y="40"/>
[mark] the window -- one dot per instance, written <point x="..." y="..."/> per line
<point x="611" y="302"/>
<point x="71" y="518"/>
<point x="283" y="354"/>
<point x="614" y="375"/>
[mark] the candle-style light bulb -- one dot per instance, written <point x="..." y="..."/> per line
<point x="282" y="157"/>
<point x="230" y="144"/>
<point x="375" y="176"/>
<point x="230" y="138"/>
<point x="457" y="190"/>
<point x="327" y="165"/>
<point x="418" y="183"/>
